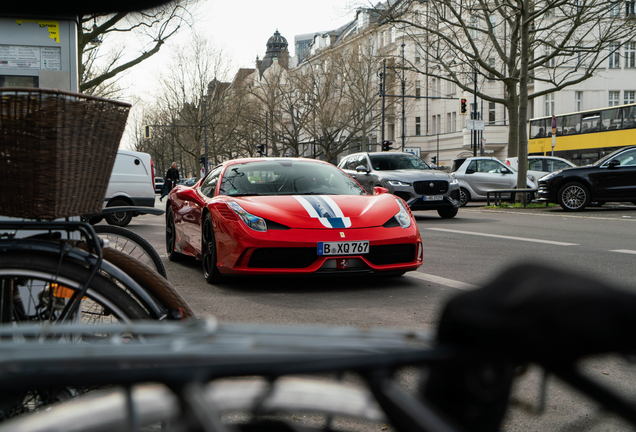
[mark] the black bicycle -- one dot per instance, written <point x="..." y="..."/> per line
<point x="207" y="376"/>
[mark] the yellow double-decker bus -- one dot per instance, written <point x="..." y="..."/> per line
<point x="586" y="136"/>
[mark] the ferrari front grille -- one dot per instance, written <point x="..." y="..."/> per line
<point x="283" y="257"/>
<point x="431" y="187"/>
<point x="392" y="254"/>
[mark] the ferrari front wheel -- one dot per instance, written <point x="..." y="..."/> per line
<point x="208" y="248"/>
<point x="171" y="237"/>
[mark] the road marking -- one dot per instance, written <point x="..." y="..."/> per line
<point x="442" y="281"/>
<point x="627" y="251"/>
<point x="505" y="237"/>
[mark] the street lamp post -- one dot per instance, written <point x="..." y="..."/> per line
<point x="382" y="76"/>
<point x="403" y="98"/>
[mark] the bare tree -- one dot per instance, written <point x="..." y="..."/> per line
<point x="557" y="43"/>
<point x="181" y="103"/>
<point x="339" y="89"/>
<point x="103" y="56"/>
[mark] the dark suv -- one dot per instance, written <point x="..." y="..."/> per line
<point x="406" y="176"/>
<point x="610" y="179"/>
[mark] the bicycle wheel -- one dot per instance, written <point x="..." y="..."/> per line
<point x="131" y="243"/>
<point x="37" y="288"/>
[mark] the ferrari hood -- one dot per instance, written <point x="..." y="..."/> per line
<point x="323" y="211"/>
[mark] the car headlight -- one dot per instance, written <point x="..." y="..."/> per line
<point x="403" y="217"/>
<point x="454" y="181"/>
<point x="530" y="177"/>
<point x="254" y="222"/>
<point x="551" y="175"/>
<point x="398" y="183"/>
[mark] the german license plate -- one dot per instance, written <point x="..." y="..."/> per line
<point x="343" y="248"/>
<point x="433" y="197"/>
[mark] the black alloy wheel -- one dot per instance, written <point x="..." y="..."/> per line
<point x="171" y="237"/>
<point x="574" y="197"/>
<point x="464" y="197"/>
<point x="208" y="249"/>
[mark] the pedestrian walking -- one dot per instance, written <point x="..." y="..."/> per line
<point x="172" y="178"/>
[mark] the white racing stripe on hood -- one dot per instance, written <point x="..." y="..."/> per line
<point x="325" y="209"/>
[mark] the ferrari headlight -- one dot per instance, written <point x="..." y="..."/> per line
<point x="254" y="222"/>
<point x="398" y="183"/>
<point x="403" y="217"/>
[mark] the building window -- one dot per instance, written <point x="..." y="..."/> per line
<point x="578" y="100"/>
<point x="418" y="126"/>
<point x="452" y="87"/>
<point x="614" y="96"/>
<point x="491" y="113"/>
<point x="418" y="90"/>
<point x="454" y="121"/>
<point x="629" y="96"/>
<point x="615" y="55"/>
<point x="630" y="8"/>
<point x="434" y="124"/>
<point x="472" y="110"/>
<point x="393" y="33"/>
<point x="474" y="22"/>
<point x="552" y="61"/>
<point x="418" y="57"/>
<point x="630" y="55"/>
<point x="549" y="104"/>
<point x="448" y="123"/>
<point x="491" y="63"/>
<point x="615" y="10"/>
<point x="434" y="87"/>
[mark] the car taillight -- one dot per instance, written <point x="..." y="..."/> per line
<point x="152" y="170"/>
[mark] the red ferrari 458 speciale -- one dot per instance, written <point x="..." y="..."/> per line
<point x="270" y="216"/>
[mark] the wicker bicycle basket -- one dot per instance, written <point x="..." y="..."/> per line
<point x="57" y="151"/>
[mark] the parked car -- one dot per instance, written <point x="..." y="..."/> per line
<point x="188" y="182"/>
<point x="477" y="175"/>
<point x="538" y="166"/>
<point x="131" y="184"/>
<point x="273" y="216"/>
<point x="610" y="179"/>
<point x="406" y="176"/>
<point x="159" y="182"/>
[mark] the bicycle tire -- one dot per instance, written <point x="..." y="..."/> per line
<point x="131" y="243"/>
<point x="45" y="268"/>
<point x="39" y="287"/>
<point x="155" y="403"/>
<point x="150" y="281"/>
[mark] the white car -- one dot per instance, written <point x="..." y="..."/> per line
<point x="477" y="175"/>
<point x="539" y="166"/>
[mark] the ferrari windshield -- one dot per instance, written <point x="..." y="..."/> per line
<point x="287" y="177"/>
<point x="397" y="161"/>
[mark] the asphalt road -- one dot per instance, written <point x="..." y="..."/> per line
<point x="460" y="254"/>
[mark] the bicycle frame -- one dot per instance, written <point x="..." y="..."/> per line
<point x="184" y="356"/>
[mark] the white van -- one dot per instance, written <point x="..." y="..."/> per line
<point x="132" y="183"/>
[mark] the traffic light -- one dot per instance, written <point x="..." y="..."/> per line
<point x="434" y="158"/>
<point x="146" y="131"/>
<point x="261" y="149"/>
<point x="202" y="160"/>
<point x="463" y="107"/>
<point x="386" y="145"/>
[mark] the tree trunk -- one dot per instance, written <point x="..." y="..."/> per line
<point x="523" y="97"/>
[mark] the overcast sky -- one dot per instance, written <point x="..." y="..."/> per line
<point x="241" y="28"/>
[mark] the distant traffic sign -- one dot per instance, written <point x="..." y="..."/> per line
<point x="414" y="150"/>
<point x="475" y="124"/>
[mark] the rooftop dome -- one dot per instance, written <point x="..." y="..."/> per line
<point x="276" y="42"/>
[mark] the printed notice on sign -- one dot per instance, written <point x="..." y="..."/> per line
<point x="30" y="58"/>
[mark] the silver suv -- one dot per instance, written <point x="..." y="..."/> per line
<point x="406" y="176"/>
